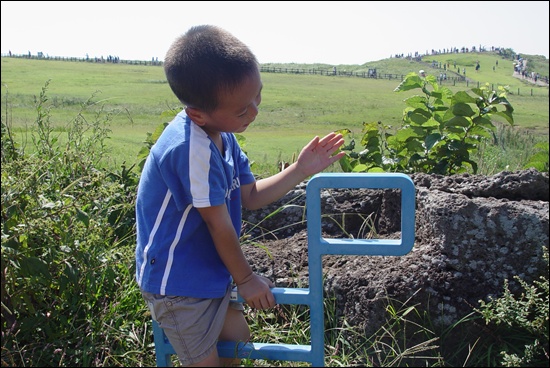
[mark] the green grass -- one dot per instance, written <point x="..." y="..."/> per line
<point x="295" y="107"/>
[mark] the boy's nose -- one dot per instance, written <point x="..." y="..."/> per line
<point x="254" y="109"/>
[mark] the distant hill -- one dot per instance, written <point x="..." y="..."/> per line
<point x="402" y="66"/>
<point x="452" y="64"/>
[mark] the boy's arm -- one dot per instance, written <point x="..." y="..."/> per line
<point x="254" y="289"/>
<point x="316" y="156"/>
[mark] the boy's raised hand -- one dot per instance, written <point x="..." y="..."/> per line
<point x="317" y="155"/>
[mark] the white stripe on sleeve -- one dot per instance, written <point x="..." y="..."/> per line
<point x="199" y="166"/>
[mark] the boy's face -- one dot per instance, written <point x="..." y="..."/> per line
<point x="236" y="109"/>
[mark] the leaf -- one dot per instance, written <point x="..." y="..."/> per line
<point x="72" y="273"/>
<point x="344" y="131"/>
<point x="462" y="97"/>
<point x="437" y="95"/>
<point x="158" y="131"/>
<point x="416" y="101"/>
<point x="431" y="123"/>
<point x="506" y="115"/>
<point x="403" y="134"/>
<point x="480" y="131"/>
<point x="462" y="109"/>
<point x="345" y="164"/>
<point x="143" y="152"/>
<point x="477" y="91"/>
<point x="458" y="121"/>
<point x="241" y="139"/>
<point x="376" y="169"/>
<point x="431" y="140"/>
<point x="33" y="266"/>
<point x="83" y="217"/>
<point x="419" y="116"/>
<point x="411" y="81"/>
<point x="360" y="168"/>
<point x="348" y="147"/>
<point x="485" y="123"/>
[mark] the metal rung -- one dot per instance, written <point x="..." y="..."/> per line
<point x="282" y="295"/>
<point x="232" y="349"/>
<point x="254" y="350"/>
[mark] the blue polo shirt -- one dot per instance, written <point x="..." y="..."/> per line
<point x="175" y="253"/>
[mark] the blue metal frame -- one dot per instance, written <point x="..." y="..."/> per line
<point x="317" y="247"/>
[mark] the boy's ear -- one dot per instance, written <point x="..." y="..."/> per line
<point x="197" y="115"/>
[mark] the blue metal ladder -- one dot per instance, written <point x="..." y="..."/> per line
<point x="317" y="247"/>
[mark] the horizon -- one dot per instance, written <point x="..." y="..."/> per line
<point x="56" y="57"/>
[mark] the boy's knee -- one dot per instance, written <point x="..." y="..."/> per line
<point x="235" y="327"/>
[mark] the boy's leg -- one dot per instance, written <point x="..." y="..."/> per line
<point x="235" y="328"/>
<point x="210" y="361"/>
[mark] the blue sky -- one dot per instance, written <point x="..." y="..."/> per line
<point x="332" y="32"/>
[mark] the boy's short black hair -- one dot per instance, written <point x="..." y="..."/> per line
<point x="203" y="62"/>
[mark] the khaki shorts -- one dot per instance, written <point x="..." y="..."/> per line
<point x="192" y="325"/>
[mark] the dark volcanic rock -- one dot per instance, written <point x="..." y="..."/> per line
<point x="472" y="233"/>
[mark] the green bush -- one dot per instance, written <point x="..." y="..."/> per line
<point x="521" y="323"/>
<point x="68" y="291"/>
<point x="539" y="160"/>
<point x="440" y="132"/>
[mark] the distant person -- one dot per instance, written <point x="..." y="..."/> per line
<point x="422" y="73"/>
<point x="477" y="66"/>
<point x="191" y="190"/>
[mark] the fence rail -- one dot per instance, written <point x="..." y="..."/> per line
<point x="449" y="80"/>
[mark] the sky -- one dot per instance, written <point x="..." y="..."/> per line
<point x="305" y="32"/>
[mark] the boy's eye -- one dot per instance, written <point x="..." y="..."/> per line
<point x="243" y="114"/>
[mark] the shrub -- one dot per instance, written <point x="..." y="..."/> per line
<point x="521" y="323"/>
<point x="440" y="133"/>
<point x="68" y="295"/>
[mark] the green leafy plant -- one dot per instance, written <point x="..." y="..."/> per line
<point x="68" y="294"/>
<point x="539" y="160"/>
<point x="521" y="322"/>
<point x="440" y="131"/>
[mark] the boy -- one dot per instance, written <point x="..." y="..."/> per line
<point x="192" y="188"/>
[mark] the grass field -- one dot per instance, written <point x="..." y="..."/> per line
<point x="295" y="107"/>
